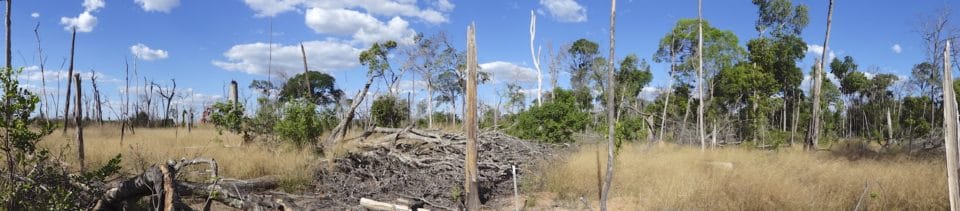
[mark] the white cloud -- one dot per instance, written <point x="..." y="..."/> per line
<point x="817" y="50"/>
<point x="406" y="8"/>
<point x="650" y="93"/>
<point x="93" y="5"/>
<point x="363" y="27"/>
<point x="83" y="22"/>
<point x="158" y="5"/>
<point x="32" y="74"/>
<point x="565" y="10"/>
<point x="254" y="58"/>
<point x="508" y="72"/>
<point x="896" y="48"/>
<point x="35" y="15"/>
<point x="144" y="52"/>
<point x="408" y="86"/>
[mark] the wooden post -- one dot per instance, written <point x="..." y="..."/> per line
<point x="516" y="193"/>
<point x="611" y="120"/>
<point x="473" y="196"/>
<point x="950" y="130"/>
<point x="66" y="106"/>
<point x="78" y="118"/>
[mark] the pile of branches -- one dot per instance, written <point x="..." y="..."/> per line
<point x="426" y="167"/>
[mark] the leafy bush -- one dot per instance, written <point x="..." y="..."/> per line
<point x="41" y="183"/>
<point x="553" y="122"/>
<point x="301" y="124"/>
<point x="227" y="116"/>
<point x="388" y="111"/>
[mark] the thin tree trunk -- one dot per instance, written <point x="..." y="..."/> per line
<point x="78" y="115"/>
<point x="813" y="136"/>
<point x="306" y="75"/>
<point x="429" y="101"/>
<point x="66" y="106"/>
<point x="44" y="105"/>
<point x="471" y="171"/>
<point x="703" y="141"/>
<point x="666" y="104"/>
<point x="950" y="131"/>
<point x="611" y="122"/>
<point x="11" y="203"/>
<point x="796" y="121"/>
<point x="536" y="58"/>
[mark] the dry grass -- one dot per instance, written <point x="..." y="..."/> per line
<point x="293" y="166"/>
<point x="670" y="177"/>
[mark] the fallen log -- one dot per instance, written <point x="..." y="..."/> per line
<point x="384" y="206"/>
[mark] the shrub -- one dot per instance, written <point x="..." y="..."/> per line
<point x="554" y="121"/>
<point x="388" y="111"/>
<point x="301" y="124"/>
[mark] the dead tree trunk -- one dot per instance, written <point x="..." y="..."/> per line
<point x="611" y="116"/>
<point x="950" y="131"/>
<point x="536" y="58"/>
<point x="78" y="115"/>
<point x="96" y="98"/>
<point x="703" y="140"/>
<point x="471" y="171"/>
<point x="813" y="136"/>
<point x="66" y="106"/>
<point x="306" y="76"/>
<point x="341" y="130"/>
<point x="44" y="105"/>
<point x="168" y="96"/>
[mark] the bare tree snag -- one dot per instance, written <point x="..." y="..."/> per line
<point x="306" y="82"/>
<point x="168" y="95"/>
<point x="78" y="115"/>
<point x="9" y="63"/>
<point x="950" y="130"/>
<point x="96" y="98"/>
<point x="341" y="130"/>
<point x="66" y="106"/>
<point x="471" y="171"/>
<point x="813" y="136"/>
<point x="700" y="127"/>
<point x="234" y="98"/>
<point x="611" y="116"/>
<point x="536" y="58"/>
<point x="44" y="105"/>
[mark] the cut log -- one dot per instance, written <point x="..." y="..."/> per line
<point x="383" y="206"/>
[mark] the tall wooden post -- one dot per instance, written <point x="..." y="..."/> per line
<point x="78" y="118"/>
<point x="611" y="120"/>
<point x="473" y="196"/>
<point x="950" y="130"/>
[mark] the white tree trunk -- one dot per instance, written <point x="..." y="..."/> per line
<point x="536" y="58"/>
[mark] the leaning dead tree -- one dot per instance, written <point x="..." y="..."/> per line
<point x="950" y="131"/>
<point x="376" y="61"/>
<point x="66" y="106"/>
<point x="813" y="136"/>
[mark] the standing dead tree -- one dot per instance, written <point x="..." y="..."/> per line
<point x="813" y="135"/>
<point x="700" y="128"/>
<point x="536" y="58"/>
<point x="78" y="115"/>
<point x="950" y="130"/>
<point x="471" y="171"/>
<point x="611" y="116"/>
<point x="98" y="109"/>
<point x="44" y="105"/>
<point x="66" y="106"/>
<point x="167" y="94"/>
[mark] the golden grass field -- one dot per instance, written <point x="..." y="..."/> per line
<point x="148" y="146"/>
<point x="646" y="177"/>
<point x="683" y="178"/>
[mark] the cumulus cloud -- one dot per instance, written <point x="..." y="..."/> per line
<point x="364" y="28"/>
<point x="565" y="10"/>
<point x="508" y="72"/>
<point x="896" y="48"/>
<point x="410" y="86"/>
<point x="85" y="21"/>
<point x="406" y="8"/>
<point x="254" y="58"/>
<point x="32" y="74"/>
<point x="817" y="50"/>
<point x="35" y="15"/>
<point x="158" y="5"/>
<point x="144" y="52"/>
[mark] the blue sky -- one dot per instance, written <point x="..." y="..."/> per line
<point x="205" y="44"/>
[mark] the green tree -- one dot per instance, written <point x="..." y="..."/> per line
<point x="301" y="124"/>
<point x="389" y="111"/>
<point x="632" y="78"/>
<point x="721" y="49"/>
<point x="553" y="122"/>
<point x="324" y="90"/>
<point x="227" y="116"/>
<point x="840" y="69"/>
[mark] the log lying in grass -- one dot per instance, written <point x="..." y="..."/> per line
<point x="160" y="182"/>
<point x="384" y="206"/>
